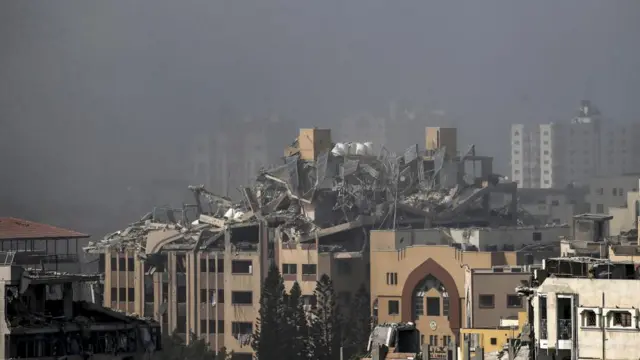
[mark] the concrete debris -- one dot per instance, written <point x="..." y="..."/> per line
<point x="343" y="189"/>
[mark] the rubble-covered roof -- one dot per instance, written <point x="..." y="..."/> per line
<point x="12" y="228"/>
<point x="308" y="200"/>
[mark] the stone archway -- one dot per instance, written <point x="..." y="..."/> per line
<point x="431" y="267"/>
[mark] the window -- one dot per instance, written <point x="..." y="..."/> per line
<point x="433" y="306"/>
<point x="418" y="300"/>
<point x="600" y="191"/>
<point x="516" y="152"/>
<point x="517" y="133"/>
<point x="545" y="142"/>
<point x="344" y="267"/>
<point x="546" y="172"/>
<point x="620" y="192"/>
<point x="486" y="301"/>
<point x="308" y="269"/>
<point x="536" y="236"/>
<point x="181" y="263"/>
<point x="433" y="340"/>
<point x="182" y="294"/>
<point x="114" y="263"/>
<point x="114" y="294"/>
<point x="446" y="340"/>
<point x="165" y="292"/>
<point x="238" y="328"/>
<point x="131" y="294"/>
<point x="517" y="172"/>
<point x="241" y="267"/>
<point x="122" y="294"/>
<point x="614" y="192"/>
<point x="545" y="133"/>
<point x="516" y="142"/>
<point x="546" y="162"/>
<point x="599" y="209"/>
<point x="516" y="161"/>
<point x="588" y="318"/>
<point x="619" y="318"/>
<point x="546" y="152"/>
<point x="212" y="265"/>
<point x="392" y="278"/>
<point x="546" y="182"/>
<point x="242" y="297"/>
<point x="289" y="269"/>
<point x="122" y="262"/>
<point x="130" y="264"/>
<point x="181" y="325"/>
<point x="209" y="296"/>
<point x="514" y="301"/>
<point x="494" y="341"/>
<point x="445" y="306"/>
<point x="394" y="307"/>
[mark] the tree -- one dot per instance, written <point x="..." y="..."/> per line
<point x="297" y="327"/>
<point x="325" y="323"/>
<point x="268" y="340"/>
<point x="359" y="323"/>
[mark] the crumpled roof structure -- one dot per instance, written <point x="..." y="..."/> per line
<point x="307" y="200"/>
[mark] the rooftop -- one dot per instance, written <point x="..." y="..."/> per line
<point x="13" y="228"/>
<point x="593" y="217"/>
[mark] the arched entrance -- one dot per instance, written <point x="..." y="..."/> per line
<point x="417" y="277"/>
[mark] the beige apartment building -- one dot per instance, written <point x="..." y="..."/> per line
<point x="214" y="292"/>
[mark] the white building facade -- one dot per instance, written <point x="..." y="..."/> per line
<point x="558" y="154"/>
<point x="581" y="318"/>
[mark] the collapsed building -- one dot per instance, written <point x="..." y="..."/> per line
<point x="42" y="320"/>
<point x="199" y="268"/>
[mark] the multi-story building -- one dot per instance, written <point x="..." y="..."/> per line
<point x="58" y="248"/>
<point x="549" y="206"/>
<point x="610" y="191"/>
<point x="495" y="313"/>
<point x="525" y="156"/>
<point x="415" y="279"/>
<point x="43" y="312"/>
<point x="558" y="154"/>
<point x="585" y="309"/>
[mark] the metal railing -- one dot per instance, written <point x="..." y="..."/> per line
<point x="564" y="329"/>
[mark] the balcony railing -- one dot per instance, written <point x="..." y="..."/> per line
<point x="543" y="329"/>
<point x="564" y="329"/>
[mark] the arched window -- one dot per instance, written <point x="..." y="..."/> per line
<point x="435" y="306"/>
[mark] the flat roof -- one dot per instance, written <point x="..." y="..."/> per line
<point x="596" y="217"/>
<point x="14" y="228"/>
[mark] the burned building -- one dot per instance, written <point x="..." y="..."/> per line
<point x="41" y="320"/>
<point x="200" y="268"/>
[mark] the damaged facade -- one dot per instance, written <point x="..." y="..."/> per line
<point x="41" y="319"/>
<point x="329" y="209"/>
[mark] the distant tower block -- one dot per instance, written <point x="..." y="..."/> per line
<point x="313" y="142"/>
<point x="437" y="137"/>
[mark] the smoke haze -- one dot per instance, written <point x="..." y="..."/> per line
<point x="100" y="98"/>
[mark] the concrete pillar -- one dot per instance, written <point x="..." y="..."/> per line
<point x="67" y="299"/>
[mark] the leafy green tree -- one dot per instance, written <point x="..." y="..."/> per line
<point x="359" y="323"/>
<point x="325" y="322"/>
<point x="297" y="327"/>
<point x="269" y="341"/>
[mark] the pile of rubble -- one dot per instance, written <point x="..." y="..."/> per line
<point x="337" y="191"/>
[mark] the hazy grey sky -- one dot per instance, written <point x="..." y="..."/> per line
<point x="88" y="89"/>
